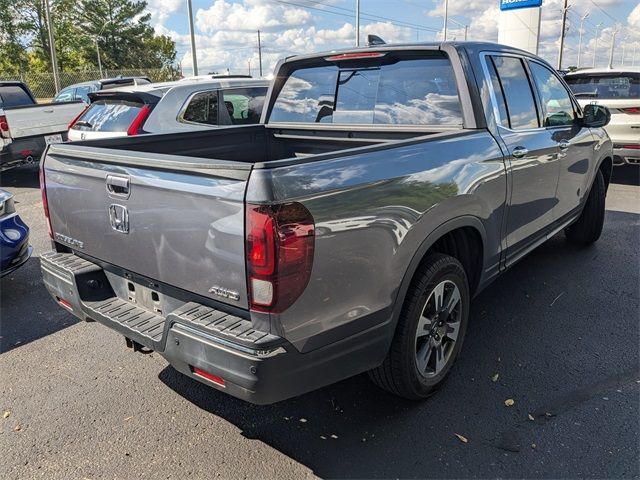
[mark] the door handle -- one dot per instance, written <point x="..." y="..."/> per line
<point x="564" y="145"/>
<point x="118" y="185"/>
<point x="519" y="152"/>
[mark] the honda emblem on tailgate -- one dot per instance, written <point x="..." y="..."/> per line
<point x="119" y="218"/>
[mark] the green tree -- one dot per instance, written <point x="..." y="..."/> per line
<point x="120" y="28"/>
<point x="13" y="52"/>
<point x="124" y="35"/>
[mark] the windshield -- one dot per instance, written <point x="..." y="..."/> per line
<point x="417" y="91"/>
<point x="108" y="116"/>
<point x="607" y="85"/>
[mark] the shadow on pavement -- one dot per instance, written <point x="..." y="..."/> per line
<point x="585" y="297"/>
<point x="25" y="176"/>
<point x="27" y="311"/>
<point x="626" y="175"/>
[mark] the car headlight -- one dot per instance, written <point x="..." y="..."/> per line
<point x="6" y="204"/>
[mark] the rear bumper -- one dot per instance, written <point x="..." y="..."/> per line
<point x="626" y="156"/>
<point x="22" y="151"/>
<point x="256" y="366"/>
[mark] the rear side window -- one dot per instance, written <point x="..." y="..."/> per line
<point x="243" y="105"/>
<point x="202" y="108"/>
<point x="605" y="85"/>
<point x="498" y="94"/>
<point x="514" y="82"/>
<point x="14" y="96"/>
<point x="417" y="91"/>
<point x="557" y="109"/>
<point x="108" y="116"/>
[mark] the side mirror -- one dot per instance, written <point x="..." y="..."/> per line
<point x="596" y="116"/>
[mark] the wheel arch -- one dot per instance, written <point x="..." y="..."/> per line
<point x="452" y="230"/>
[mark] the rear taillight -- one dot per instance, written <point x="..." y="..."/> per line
<point x="4" y="127"/>
<point x="45" y="203"/>
<point x="136" y="126"/>
<point x="631" y="110"/>
<point x="280" y="242"/>
<point x="632" y="147"/>
<point x="208" y="376"/>
<point x="73" y="122"/>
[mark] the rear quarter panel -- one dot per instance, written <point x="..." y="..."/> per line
<point x="373" y="210"/>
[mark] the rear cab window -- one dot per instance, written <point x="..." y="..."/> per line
<point x="605" y="85"/>
<point x="108" y="116"/>
<point x="14" y="96"/>
<point x="408" y="88"/>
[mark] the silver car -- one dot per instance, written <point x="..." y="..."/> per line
<point x="170" y="106"/>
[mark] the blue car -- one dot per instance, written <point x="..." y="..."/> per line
<point x="14" y="236"/>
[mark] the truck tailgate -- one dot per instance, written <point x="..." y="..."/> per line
<point x="41" y="119"/>
<point x="176" y="220"/>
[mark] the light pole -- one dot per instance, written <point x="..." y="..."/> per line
<point x="52" y="47"/>
<point x="633" y="56"/>
<point x="613" y="44"/>
<point x="98" y="48"/>
<point x="564" y="24"/>
<point x="595" y="46"/>
<point x="357" y="23"/>
<point x="460" y="24"/>
<point x="624" y="44"/>
<point x="446" y="20"/>
<point x="582" y="19"/>
<point x="193" y="39"/>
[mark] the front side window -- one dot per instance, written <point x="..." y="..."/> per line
<point x="416" y="91"/>
<point x="244" y="105"/>
<point x="521" y="106"/>
<point x="202" y="108"/>
<point x="557" y="108"/>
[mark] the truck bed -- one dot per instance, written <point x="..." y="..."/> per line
<point x="253" y="144"/>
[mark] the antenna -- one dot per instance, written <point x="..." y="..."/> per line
<point x="374" y="40"/>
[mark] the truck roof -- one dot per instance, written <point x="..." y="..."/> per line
<point x="470" y="45"/>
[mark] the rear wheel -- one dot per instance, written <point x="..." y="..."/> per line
<point x="430" y="330"/>
<point x="588" y="227"/>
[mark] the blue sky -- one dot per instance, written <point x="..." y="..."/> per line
<point x="227" y="38"/>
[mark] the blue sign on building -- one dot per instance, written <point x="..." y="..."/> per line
<point x="513" y="4"/>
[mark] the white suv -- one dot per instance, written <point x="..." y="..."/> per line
<point x="619" y="90"/>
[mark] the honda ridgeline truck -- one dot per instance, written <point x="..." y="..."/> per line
<point x="347" y="232"/>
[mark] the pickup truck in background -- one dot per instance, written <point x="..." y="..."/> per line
<point x="26" y="126"/>
<point x="347" y="232"/>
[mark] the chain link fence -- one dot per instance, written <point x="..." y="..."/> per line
<point x="43" y="86"/>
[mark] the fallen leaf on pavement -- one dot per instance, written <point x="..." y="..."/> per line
<point x="509" y="402"/>
<point x="17" y="428"/>
<point x="495" y="377"/>
<point x="531" y="417"/>
<point x="462" y="438"/>
<point x="6" y="414"/>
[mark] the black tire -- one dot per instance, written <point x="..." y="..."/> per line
<point x="399" y="373"/>
<point x="588" y="227"/>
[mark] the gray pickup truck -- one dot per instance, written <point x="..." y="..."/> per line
<point x="384" y="188"/>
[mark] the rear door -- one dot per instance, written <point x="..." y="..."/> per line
<point x="532" y="154"/>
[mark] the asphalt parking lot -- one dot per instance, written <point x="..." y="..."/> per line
<point x="560" y="331"/>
